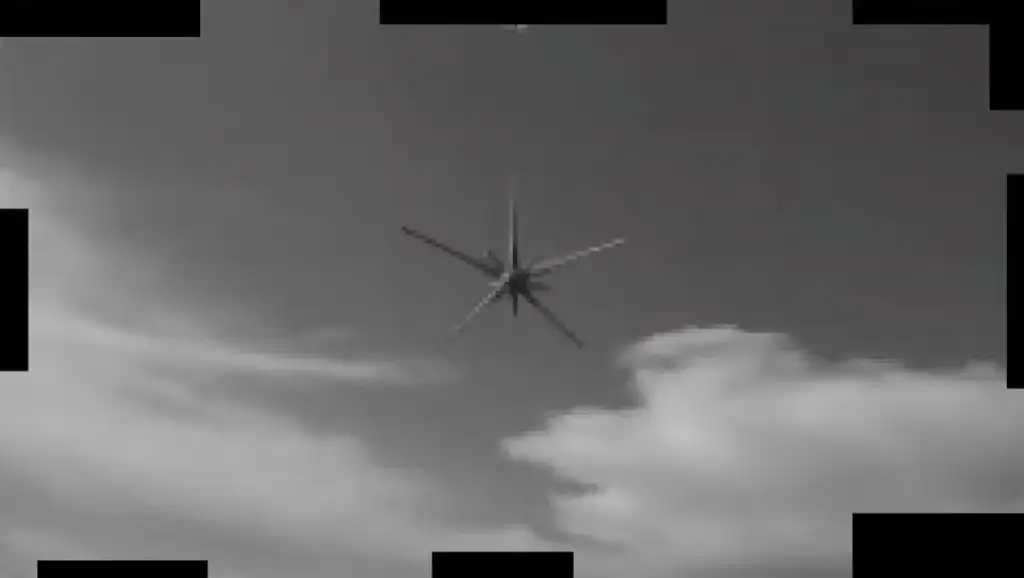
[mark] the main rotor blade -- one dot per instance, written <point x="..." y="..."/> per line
<point x="513" y="232"/>
<point x="549" y="265"/>
<point x="486" y="268"/>
<point x="552" y="319"/>
<point x="492" y="296"/>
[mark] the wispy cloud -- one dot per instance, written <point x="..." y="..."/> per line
<point x="746" y="457"/>
<point x="213" y="356"/>
<point x="113" y="446"/>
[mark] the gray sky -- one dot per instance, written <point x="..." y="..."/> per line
<point x="777" y="171"/>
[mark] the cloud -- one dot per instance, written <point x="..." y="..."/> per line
<point x="746" y="457"/>
<point x="218" y="357"/>
<point x="115" y="444"/>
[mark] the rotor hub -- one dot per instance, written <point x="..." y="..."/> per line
<point x="519" y="281"/>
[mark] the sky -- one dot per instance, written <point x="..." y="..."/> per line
<point x="237" y="356"/>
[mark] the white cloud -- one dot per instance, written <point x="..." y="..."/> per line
<point x="113" y="446"/>
<point x="745" y="457"/>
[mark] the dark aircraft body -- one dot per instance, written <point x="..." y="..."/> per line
<point x="510" y="278"/>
